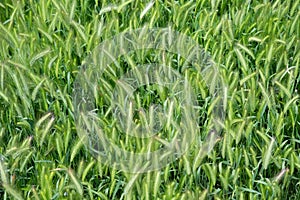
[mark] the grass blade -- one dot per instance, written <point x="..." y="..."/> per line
<point x="268" y="154"/>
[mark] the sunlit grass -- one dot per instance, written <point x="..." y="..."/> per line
<point x="256" y="47"/>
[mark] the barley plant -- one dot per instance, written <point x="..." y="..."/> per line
<point x="255" y="45"/>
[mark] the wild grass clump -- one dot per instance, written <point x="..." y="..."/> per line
<point x="255" y="46"/>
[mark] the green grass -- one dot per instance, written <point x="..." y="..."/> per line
<point x="256" y="47"/>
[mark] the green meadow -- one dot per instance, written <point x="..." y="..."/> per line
<point x="254" y="45"/>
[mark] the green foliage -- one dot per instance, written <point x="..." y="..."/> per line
<point x="255" y="46"/>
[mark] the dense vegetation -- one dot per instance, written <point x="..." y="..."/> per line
<point x="254" y="44"/>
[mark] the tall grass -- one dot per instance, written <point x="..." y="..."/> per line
<point x="255" y="46"/>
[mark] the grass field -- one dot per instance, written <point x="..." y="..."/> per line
<point x="254" y="44"/>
